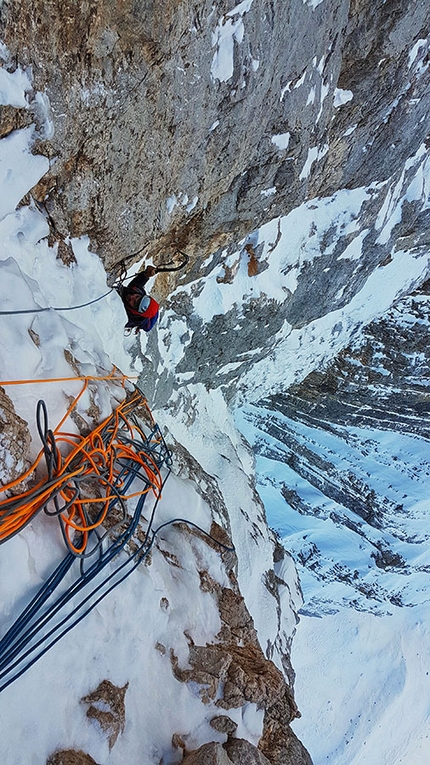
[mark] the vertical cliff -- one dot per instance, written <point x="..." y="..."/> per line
<point x="285" y="147"/>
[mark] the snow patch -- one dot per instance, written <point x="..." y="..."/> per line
<point x="415" y="50"/>
<point x="19" y="169"/>
<point x="315" y="153"/>
<point x="268" y="192"/>
<point x="227" y="32"/>
<point x="312" y="3"/>
<point x="354" y="250"/>
<point x="13" y="87"/>
<point x="341" y="97"/>
<point x="281" y="140"/>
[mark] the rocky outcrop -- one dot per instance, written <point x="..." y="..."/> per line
<point x="237" y="751"/>
<point x="232" y="672"/>
<point x="363" y="415"/>
<point x="380" y="379"/>
<point x="14" y="441"/>
<point x="106" y="706"/>
<point x="189" y="126"/>
<point x="70" y="757"/>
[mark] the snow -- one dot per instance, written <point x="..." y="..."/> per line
<point x="288" y="243"/>
<point x="313" y="3"/>
<point x="341" y="97"/>
<point x="416" y="50"/>
<point x="227" y="32"/>
<point x="368" y="685"/>
<point x="418" y="189"/>
<point x="381" y="703"/>
<point x="108" y="643"/>
<point x="315" y="344"/>
<point x="354" y="250"/>
<point x="314" y="154"/>
<point x="268" y="192"/>
<point x="311" y="96"/>
<point x="13" y="87"/>
<point x="215" y="442"/>
<point x="19" y="170"/>
<point x="362" y="679"/>
<point x="375" y="705"/>
<point x="171" y="202"/>
<point x="281" y="140"/>
<point x="350" y="130"/>
<point x="43" y="112"/>
<point x="128" y="636"/>
<point x="180" y="199"/>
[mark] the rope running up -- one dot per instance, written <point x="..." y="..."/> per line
<point x="53" y="308"/>
<point x="121" y="279"/>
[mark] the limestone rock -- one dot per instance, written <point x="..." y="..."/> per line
<point x="152" y="130"/>
<point x="236" y="751"/>
<point x="223" y="724"/>
<point x="14" y="441"/>
<point x="107" y="707"/>
<point x="212" y="753"/>
<point x="12" y="118"/>
<point x="242" y="752"/>
<point x="70" y="757"/>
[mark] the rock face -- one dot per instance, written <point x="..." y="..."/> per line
<point x="238" y="751"/>
<point x="192" y="124"/>
<point x="106" y="705"/>
<point x="234" y="672"/>
<point x="196" y="123"/>
<point x="70" y="757"/>
<point x="366" y="412"/>
<point x="14" y="440"/>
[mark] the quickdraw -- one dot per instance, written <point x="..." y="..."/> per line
<point x="120" y="273"/>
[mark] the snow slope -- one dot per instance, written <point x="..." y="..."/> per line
<point x="326" y="269"/>
<point x="351" y="504"/>
<point x="128" y="637"/>
<point x="342" y="721"/>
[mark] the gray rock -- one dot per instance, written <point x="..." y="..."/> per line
<point x="223" y="724"/>
<point x="155" y="146"/>
<point x="70" y="757"/>
<point x="208" y="754"/>
<point x="242" y="752"/>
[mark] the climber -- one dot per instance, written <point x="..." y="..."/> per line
<point x="142" y="310"/>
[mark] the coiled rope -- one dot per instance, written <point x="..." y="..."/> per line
<point x="120" y="451"/>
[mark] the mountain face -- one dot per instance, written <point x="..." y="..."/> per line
<point x="285" y="148"/>
<point x="195" y="122"/>
<point x="353" y="439"/>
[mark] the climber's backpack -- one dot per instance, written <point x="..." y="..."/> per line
<point x="142" y="308"/>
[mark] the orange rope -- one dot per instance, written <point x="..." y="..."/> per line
<point x="68" y="379"/>
<point x="88" y="456"/>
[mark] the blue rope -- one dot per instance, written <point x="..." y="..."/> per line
<point x="53" y="308"/>
<point x="18" y="652"/>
